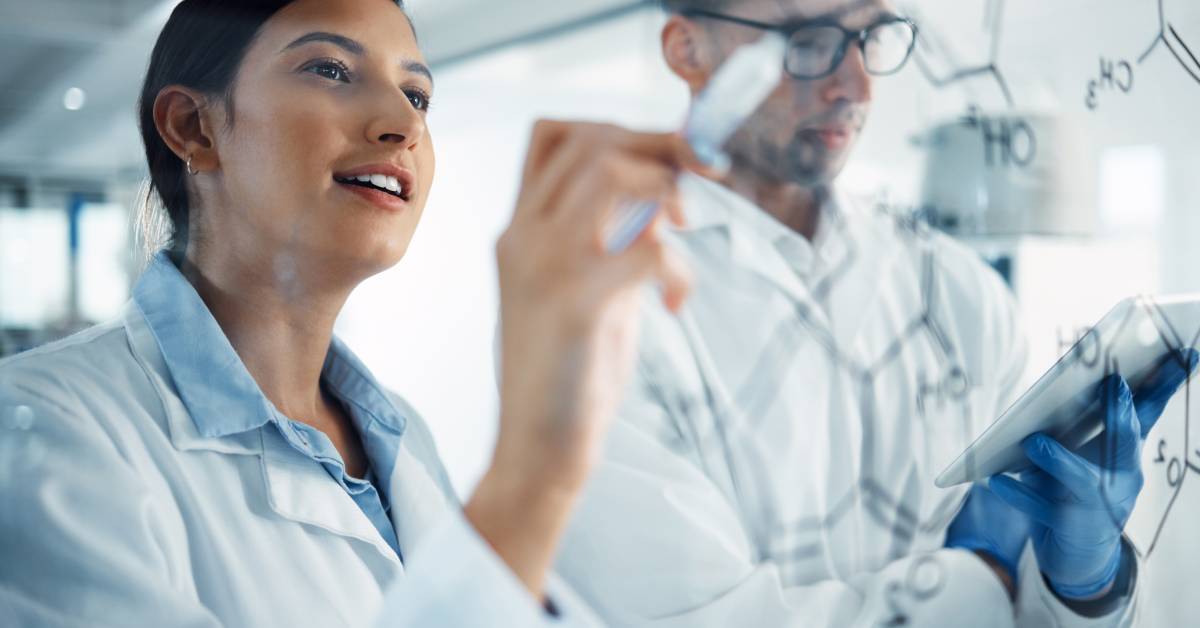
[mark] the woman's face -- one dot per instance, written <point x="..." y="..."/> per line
<point x="327" y="165"/>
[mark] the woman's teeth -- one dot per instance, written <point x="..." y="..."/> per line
<point x="383" y="182"/>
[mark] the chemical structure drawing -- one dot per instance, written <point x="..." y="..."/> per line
<point x="1117" y="75"/>
<point x="943" y="65"/>
<point x="1009" y="140"/>
<point x="943" y="391"/>
<point x="1169" y="456"/>
<point x="1169" y="35"/>
<point x="915" y="357"/>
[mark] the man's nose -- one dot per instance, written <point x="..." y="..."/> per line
<point x="850" y="81"/>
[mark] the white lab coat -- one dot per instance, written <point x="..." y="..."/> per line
<point x="115" y="511"/>
<point x="773" y="463"/>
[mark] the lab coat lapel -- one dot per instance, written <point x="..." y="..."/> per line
<point x="712" y="206"/>
<point x="846" y="280"/>
<point x="180" y="426"/>
<point x="417" y="502"/>
<point x="300" y="489"/>
<point x="297" y="488"/>
<point x="761" y="258"/>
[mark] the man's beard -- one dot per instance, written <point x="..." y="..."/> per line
<point x="803" y="160"/>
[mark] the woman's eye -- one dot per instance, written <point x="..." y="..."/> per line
<point x="420" y="101"/>
<point x="330" y="70"/>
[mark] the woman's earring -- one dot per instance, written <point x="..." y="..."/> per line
<point x="189" y="167"/>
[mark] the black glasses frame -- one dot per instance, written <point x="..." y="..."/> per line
<point x="789" y="29"/>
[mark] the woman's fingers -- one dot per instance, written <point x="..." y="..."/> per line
<point x="672" y="207"/>
<point x="562" y="155"/>
<point x="650" y="259"/>
<point x="544" y="141"/>
<point x="587" y="205"/>
<point x="569" y="304"/>
<point x="559" y="166"/>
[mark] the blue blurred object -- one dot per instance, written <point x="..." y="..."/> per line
<point x="1079" y="502"/>
<point x="988" y="524"/>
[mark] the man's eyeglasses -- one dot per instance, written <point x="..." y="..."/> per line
<point x="817" y="47"/>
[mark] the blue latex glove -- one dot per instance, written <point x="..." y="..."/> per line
<point x="988" y="524"/>
<point x="1080" y="501"/>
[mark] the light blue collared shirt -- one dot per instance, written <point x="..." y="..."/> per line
<point x="223" y="399"/>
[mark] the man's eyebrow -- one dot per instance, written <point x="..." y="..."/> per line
<point x="341" y="41"/>
<point x="838" y="13"/>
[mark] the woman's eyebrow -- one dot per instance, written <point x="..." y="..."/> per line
<point x="341" y="41"/>
<point x="356" y="49"/>
<point x="416" y="67"/>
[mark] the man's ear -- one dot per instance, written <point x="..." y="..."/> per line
<point x="686" y="50"/>
<point x="184" y="123"/>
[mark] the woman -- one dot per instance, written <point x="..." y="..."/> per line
<point x="216" y="457"/>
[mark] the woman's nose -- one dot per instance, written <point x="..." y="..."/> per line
<point x="398" y="122"/>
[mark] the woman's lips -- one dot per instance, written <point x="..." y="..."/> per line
<point x="375" y="196"/>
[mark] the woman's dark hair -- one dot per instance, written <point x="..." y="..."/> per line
<point x="201" y="47"/>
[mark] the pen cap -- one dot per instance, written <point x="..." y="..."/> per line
<point x="735" y="91"/>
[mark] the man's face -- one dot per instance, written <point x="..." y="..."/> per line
<point x="805" y="130"/>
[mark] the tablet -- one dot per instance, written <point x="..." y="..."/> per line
<point x="1133" y="339"/>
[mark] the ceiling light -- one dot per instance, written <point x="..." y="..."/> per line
<point x="74" y="99"/>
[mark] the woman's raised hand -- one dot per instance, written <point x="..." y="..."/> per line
<point x="569" y="322"/>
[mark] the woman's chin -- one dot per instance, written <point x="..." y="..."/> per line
<point x="376" y="256"/>
<point x="354" y="261"/>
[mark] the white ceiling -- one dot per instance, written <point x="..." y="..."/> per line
<point x="102" y="46"/>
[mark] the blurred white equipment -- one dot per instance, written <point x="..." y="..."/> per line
<point x="1008" y="175"/>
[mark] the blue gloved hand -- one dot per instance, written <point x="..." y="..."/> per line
<point x="1080" y="501"/>
<point x="988" y="524"/>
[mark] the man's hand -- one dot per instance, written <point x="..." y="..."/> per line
<point x="1079" y="502"/>
<point x="993" y="530"/>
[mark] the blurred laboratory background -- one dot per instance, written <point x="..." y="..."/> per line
<point x="1057" y="138"/>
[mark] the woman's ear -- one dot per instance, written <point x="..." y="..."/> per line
<point x="686" y="53"/>
<point x="183" y="121"/>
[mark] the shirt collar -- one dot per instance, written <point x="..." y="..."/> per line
<point x="722" y="206"/>
<point x="213" y="383"/>
<point x="711" y="205"/>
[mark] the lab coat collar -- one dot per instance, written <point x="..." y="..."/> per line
<point x="212" y="404"/>
<point x="220" y="395"/>
<point x="757" y="240"/>
<point x="352" y="382"/>
<point x="181" y="428"/>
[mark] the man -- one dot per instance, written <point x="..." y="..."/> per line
<point x="774" y="462"/>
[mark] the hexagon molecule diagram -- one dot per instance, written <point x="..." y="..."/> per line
<point x="959" y="43"/>
<point x="1179" y="32"/>
<point x="1171" y="452"/>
